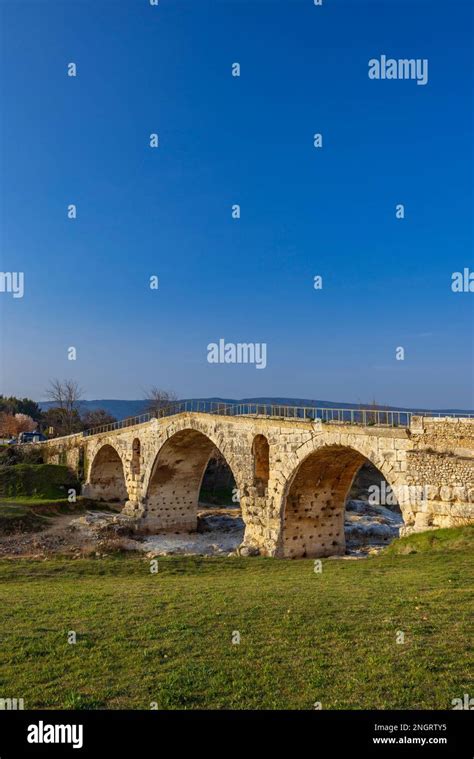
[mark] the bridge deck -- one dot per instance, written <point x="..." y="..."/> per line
<point x="366" y="417"/>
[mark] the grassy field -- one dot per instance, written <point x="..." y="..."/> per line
<point x="304" y="637"/>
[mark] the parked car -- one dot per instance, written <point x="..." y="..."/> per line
<point x="31" y="437"/>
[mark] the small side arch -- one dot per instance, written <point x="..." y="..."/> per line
<point x="107" y="477"/>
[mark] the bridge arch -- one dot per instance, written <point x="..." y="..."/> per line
<point x="173" y="481"/>
<point x="106" y="481"/>
<point x="314" y="500"/>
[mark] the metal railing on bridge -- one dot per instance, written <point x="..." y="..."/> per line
<point x="360" y="416"/>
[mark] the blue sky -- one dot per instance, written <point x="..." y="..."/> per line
<point x="247" y="140"/>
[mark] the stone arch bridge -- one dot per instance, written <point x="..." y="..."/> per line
<point x="293" y="475"/>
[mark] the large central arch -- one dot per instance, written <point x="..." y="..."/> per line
<point x="314" y="502"/>
<point x="172" y="494"/>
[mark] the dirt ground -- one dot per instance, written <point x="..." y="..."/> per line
<point x="220" y="532"/>
<point x="57" y="537"/>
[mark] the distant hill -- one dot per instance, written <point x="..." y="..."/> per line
<point x="120" y="409"/>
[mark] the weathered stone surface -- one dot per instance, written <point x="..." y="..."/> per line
<point x="293" y="503"/>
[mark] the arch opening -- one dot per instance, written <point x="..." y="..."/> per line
<point x="261" y="463"/>
<point x="218" y="486"/>
<point x="181" y="474"/>
<point x="107" y="478"/>
<point x="327" y="508"/>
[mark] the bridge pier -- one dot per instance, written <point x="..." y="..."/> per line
<point x="134" y="509"/>
<point x="255" y="510"/>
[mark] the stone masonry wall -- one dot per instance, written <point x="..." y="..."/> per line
<point x="299" y="510"/>
<point x="442" y="462"/>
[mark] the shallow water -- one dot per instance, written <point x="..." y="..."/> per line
<point x="369" y="529"/>
<point x="218" y="534"/>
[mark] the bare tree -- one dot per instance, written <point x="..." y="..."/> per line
<point x="157" y="399"/>
<point x="8" y="424"/>
<point x="67" y="396"/>
<point x="99" y="417"/>
<point x="25" y="423"/>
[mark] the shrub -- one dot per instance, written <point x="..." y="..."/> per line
<point x="40" y="480"/>
<point x="15" y="454"/>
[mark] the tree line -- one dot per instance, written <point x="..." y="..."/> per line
<point x="65" y="416"/>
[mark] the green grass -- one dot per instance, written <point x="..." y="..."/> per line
<point x="32" y="501"/>
<point x="217" y="496"/>
<point x="58" y="505"/>
<point x="46" y="481"/>
<point x="305" y="637"/>
<point x="452" y="538"/>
